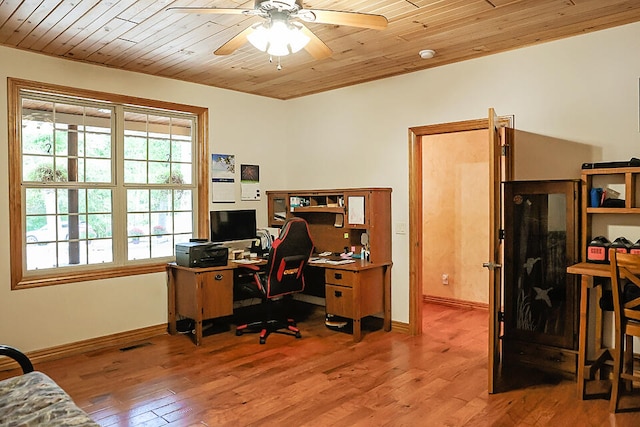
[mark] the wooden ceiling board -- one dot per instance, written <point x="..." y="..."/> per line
<point x="64" y="15"/>
<point x="44" y="26"/>
<point x="25" y="25"/>
<point x="142" y="36"/>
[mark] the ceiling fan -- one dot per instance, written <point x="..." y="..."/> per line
<point x="281" y="33"/>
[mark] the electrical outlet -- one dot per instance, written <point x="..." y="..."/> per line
<point x="401" y="228"/>
<point x="445" y="279"/>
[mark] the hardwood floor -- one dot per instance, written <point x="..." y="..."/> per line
<point x="323" y="379"/>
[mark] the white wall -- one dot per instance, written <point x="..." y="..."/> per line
<point x="33" y="319"/>
<point x="582" y="90"/>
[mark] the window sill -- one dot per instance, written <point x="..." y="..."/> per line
<point x="58" y="279"/>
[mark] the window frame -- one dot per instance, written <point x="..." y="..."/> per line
<point x="16" y="235"/>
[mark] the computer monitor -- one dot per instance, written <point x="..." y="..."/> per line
<point x="233" y="225"/>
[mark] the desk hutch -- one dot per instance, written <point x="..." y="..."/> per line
<point x="339" y="218"/>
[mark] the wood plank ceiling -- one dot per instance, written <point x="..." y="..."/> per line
<point x="142" y="36"/>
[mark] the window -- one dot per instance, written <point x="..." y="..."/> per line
<point x="101" y="185"/>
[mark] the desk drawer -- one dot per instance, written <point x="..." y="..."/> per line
<point x="339" y="301"/>
<point x="340" y="277"/>
<point x="217" y="294"/>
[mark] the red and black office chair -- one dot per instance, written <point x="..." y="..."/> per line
<point x="283" y="275"/>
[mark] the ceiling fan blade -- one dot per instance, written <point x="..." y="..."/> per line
<point x="351" y="19"/>
<point x="236" y="42"/>
<point x="316" y="47"/>
<point x="211" y="10"/>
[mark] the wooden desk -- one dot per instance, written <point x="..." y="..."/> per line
<point x="588" y="369"/>
<point x="199" y="294"/>
<point x="353" y="290"/>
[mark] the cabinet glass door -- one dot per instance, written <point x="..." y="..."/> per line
<point x="540" y="243"/>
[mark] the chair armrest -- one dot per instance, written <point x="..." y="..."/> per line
<point x="18" y="356"/>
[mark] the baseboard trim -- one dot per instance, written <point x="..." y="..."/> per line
<point x="451" y="302"/>
<point x="93" y="344"/>
<point x="400" y="327"/>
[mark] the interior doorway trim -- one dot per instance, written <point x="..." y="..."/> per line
<point x="415" y="206"/>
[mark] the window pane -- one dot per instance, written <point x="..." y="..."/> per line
<point x="181" y="151"/>
<point x="98" y="145"/>
<point x="135" y="147"/>
<point x="181" y="173"/>
<point x="138" y="248"/>
<point x="135" y="172"/>
<point x="98" y="170"/>
<point x="99" y="200"/>
<point x="162" y="223"/>
<point x="161" y="200"/>
<point x="138" y="225"/>
<point x="159" y="149"/>
<point x="182" y="200"/>
<point x="159" y="173"/>
<point x="35" y="201"/>
<point x="182" y="223"/>
<point x="137" y="200"/>
<point x="161" y="246"/>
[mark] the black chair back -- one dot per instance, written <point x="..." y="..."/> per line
<point x="289" y="255"/>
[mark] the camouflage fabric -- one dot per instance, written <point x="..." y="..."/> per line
<point x="34" y="399"/>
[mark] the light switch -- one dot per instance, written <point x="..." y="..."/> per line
<point x="401" y="228"/>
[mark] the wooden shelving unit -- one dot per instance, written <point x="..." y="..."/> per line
<point x="626" y="182"/>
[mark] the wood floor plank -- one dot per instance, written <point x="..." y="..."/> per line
<point x="323" y="379"/>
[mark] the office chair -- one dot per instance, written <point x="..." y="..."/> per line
<point x="625" y="284"/>
<point x="283" y="275"/>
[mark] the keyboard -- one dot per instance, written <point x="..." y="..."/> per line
<point x="247" y="261"/>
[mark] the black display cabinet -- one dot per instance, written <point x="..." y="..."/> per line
<point x="541" y="221"/>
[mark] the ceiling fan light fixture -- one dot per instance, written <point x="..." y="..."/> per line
<point x="297" y="39"/>
<point x="278" y="38"/>
<point x="259" y="37"/>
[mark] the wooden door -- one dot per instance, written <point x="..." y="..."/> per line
<point x="499" y="171"/>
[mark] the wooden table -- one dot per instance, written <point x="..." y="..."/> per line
<point x="587" y="369"/>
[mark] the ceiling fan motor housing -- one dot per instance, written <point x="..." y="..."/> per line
<point x="290" y="6"/>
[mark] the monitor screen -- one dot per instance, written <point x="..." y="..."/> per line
<point x="233" y="225"/>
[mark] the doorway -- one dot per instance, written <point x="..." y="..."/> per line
<point x="455" y="218"/>
<point x="417" y="137"/>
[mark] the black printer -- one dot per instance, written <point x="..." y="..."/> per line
<point x="201" y="254"/>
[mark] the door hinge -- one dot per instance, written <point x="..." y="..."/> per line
<point x="501" y="316"/>
<point x="503" y="150"/>
<point x="501" y="234"/>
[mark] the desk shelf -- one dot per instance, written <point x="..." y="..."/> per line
<point x="319" y="209"/>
